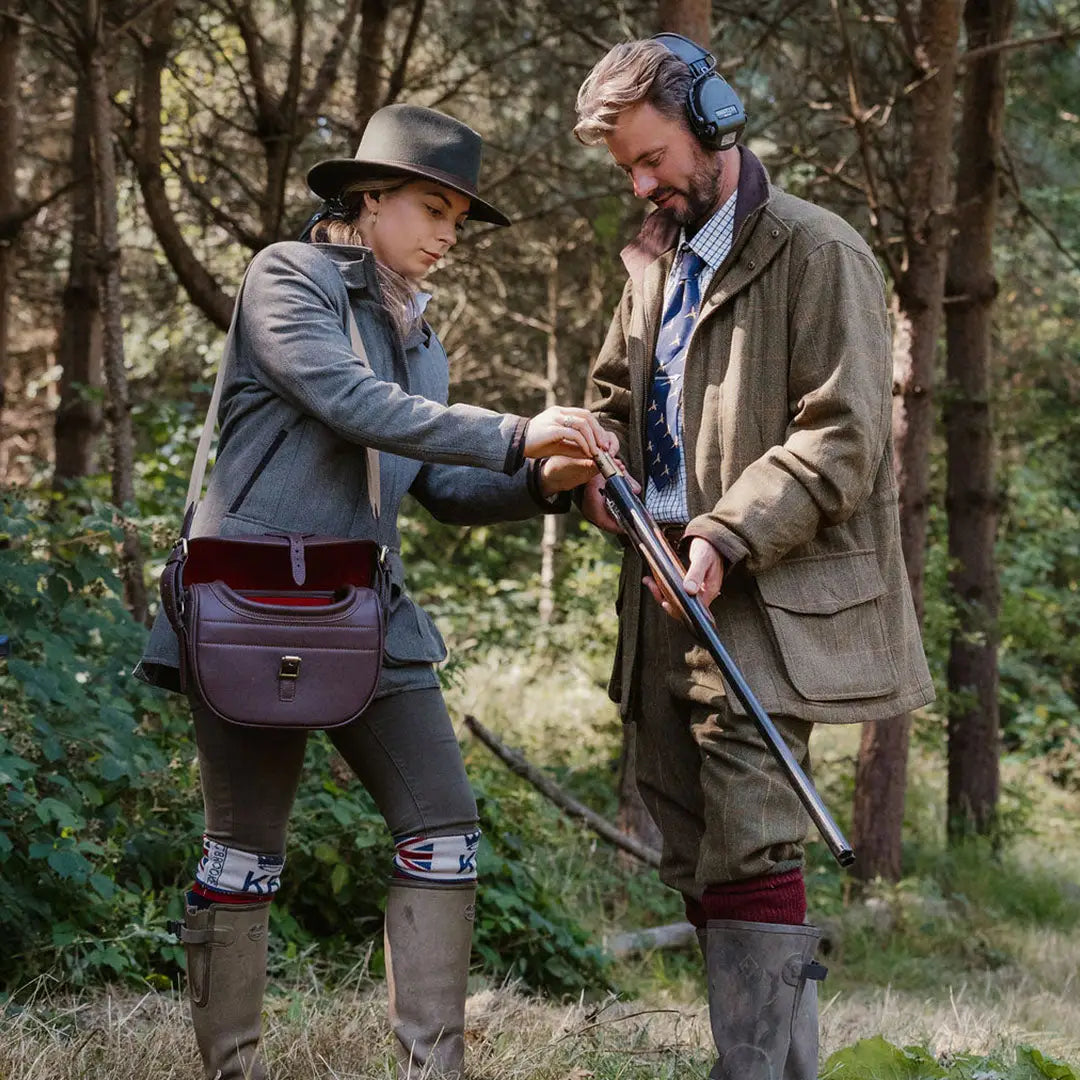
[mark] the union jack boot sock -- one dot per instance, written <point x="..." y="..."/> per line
<point x="763" y="999"/>
<point x="427" y="938"/>
<point x="226" y="966"/>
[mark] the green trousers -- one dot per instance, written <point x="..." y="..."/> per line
<point x="725" y="810"/>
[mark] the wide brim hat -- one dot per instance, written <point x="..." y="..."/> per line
<point x="415" y="141"/>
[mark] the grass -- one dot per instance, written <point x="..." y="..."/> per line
<point x="973" y="951"/>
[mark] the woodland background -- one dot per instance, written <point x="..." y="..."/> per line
<point x="149" y="147"/>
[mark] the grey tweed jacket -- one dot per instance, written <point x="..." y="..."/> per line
<point x="297" y="410"/>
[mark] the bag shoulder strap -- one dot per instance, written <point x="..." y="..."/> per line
<point x="202" y="451"/>
<point x="371" y="455"/>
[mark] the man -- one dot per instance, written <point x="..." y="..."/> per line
<point x="747" y="372"/>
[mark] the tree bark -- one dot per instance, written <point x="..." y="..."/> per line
<point x="879" y="799"/>
<point x="204" y="291"/>
<point x="396" y="82"/>
<point x="691" y="18"/>
<point x="122" y="442"/>
<point x="971" y="499"/>
<point x="9" y="144"/>
<point x="367" y="91"/>
<point x="79" y="421"/>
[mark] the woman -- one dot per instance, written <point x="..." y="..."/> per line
<point x="298" y="412"/>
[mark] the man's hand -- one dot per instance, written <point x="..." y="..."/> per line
<point x="562" y="473"/>
<point x="595" y="508"/>
<point x="704" y="576"/>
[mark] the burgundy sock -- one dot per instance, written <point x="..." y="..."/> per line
<point x="772" y="898"/>
<point x="201" y="896"/>
<point x="695" y="913"/>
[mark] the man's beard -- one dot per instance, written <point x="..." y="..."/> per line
<point x="703" y="193"/>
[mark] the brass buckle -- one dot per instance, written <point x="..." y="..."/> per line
<point x="290" y="667"/>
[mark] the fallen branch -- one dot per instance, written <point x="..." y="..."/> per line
<point x="515" y="761"/>
<point x="672" y="936"/>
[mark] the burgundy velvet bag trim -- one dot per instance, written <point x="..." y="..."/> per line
<point x="266" y="565"/>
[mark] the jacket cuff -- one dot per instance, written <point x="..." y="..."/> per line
<point x="515" y="452"/>
<point x="731" y="549"/>
<point x="559" y="503"/>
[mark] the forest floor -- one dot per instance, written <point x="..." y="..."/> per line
<point x="977" y="953"/>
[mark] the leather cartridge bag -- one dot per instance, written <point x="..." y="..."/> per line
<point x="277" y="629"/>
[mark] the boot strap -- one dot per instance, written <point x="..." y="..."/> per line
<point x="209" y="936"/>
<point x="795" y="973"/>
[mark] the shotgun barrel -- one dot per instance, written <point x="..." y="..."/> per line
<point x="668" y="572"/>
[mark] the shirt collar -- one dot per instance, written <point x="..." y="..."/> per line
<point x="713" y="240"/>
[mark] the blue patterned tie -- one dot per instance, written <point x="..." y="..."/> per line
<point x="662" y="417"/>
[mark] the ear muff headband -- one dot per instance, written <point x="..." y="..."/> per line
<point x="713" y="110"/>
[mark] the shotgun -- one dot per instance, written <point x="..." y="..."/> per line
<point x="668" y="573"/>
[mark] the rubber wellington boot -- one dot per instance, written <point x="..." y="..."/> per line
<point x="427" y="940"/>
<point x="226" y="964"/>
<point x="763" y="1000"/>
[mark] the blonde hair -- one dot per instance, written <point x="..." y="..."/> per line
<point x="397" y="291"/>
<point x="631" y="73"/>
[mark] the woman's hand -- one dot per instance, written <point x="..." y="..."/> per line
<point x="566" y="431"/>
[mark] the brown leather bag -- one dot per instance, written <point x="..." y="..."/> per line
<point x="277" y="629"/>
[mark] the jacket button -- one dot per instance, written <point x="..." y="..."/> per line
<point x="751" y="264"/>
<point x="775" y="233"/>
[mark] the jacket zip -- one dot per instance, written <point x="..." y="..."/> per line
<point x="265" y="460"/>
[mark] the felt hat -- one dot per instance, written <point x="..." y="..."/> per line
<point x="415" y="141"/>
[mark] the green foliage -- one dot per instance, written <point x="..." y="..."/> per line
<point x="523" y="927"/>
<point x="92" y="807"/>
<point x="482" y="585"/>
<point x="876" y="1059"/>
<point x="1040" y="619"/>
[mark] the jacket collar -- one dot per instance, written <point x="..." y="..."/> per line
<point x="356" y="264"/>
<point x="660" y="232"/>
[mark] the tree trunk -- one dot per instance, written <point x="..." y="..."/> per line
<point x="122" y="440"/>
<point x="79" y="421"/>
<point x="691" y="18"/>
<point x="9" y="144"/>
<point x="879" y="798"/>
<point x="971" y="497"/>
<point x="375" y="14"/>
<point x="204" y="291"/>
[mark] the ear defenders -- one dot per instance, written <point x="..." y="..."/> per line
<point x="713" y="110"/>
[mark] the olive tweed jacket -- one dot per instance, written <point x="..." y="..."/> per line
<point x="787" y="407"/>
<point x="297" y="410"/>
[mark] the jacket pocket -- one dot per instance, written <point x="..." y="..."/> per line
<point x="411" y="635"/>
<point x="265" y="460"/>
<point x="825" y="613"/>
